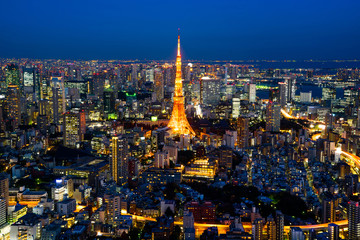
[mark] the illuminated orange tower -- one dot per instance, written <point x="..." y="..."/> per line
<point x="178" y="121"/>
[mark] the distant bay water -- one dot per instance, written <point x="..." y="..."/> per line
<point x="262" y="64"/>
<point x="316" y="91"/>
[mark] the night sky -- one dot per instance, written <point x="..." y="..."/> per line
<point x="210" y="30"/>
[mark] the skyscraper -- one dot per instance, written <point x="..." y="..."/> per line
<point x="4" y="197"/>
<point x="328" y="209"/>
<point x="225" y="157"/>
<point x="178" y="121"/>
<point x="243" y="132"/>
<point x="58" y="98"/>
<point x="328" y="93"/>
<point x="209" y="91"/>
<point x="3" y="212"/>
<point x="74" y="128"/>
<point x="305" y="97"/>
<point x="31" y="78"/>
<point x="119" y="160"/>
<point x="252" y="92"/>
<point x="273" y="116"/>
<point x="109" y="101"/>
<point x="290" y="88"/>
<point x="2" y="110"/>
<point x="354" y="220"/>
<point x="13" y="105"/>
<point x="159" y="85"/>
<point x="235" y="107"/>
<point x="42" y="119"/>
<point x="98" y="84"/>
<point x="4" y="187"/>
<point x="12" y="75"/>
<point x="282" y="94"/>
<point x="134" y="75"/>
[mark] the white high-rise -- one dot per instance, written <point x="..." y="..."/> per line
<point x="252" y="92"/>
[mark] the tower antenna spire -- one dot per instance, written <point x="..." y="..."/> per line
<point x="178" y="49"/>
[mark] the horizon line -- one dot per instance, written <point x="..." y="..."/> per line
<point x="186" y="60"/>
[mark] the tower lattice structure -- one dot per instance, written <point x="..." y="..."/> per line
<point x="178" y="121"/>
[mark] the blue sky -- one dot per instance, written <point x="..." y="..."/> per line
<point x="225" y="30"/>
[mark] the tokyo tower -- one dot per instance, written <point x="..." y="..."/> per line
<point x="178" y="121"/>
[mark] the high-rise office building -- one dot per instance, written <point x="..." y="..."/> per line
<point x="209" y="91"/>
<point x="42" y="119"/>
<point x="109" y="101"/>
<point x="149" y="75"/>
<point x="4" y="187"/>
<point x="2" y="113"/>
<point x="29" y="77"/>
<point x="134" y="75"/>
<point x="282" y="94"/>
<point x="225" y="76"/>
<point x="328" y="209"/>
<point x="119" y="160"/>
<point x="305" y="97"/>
<point x="3" y="212"/>
<point x="252" y="92"/>
<point x="74" y="128"/>
<point x="290" y="88"/>
<point x="333" y="230"/>
<point x="98" y="84"/>
<point x="225" y="157"/>
<point x="58" y="103"/>
<point x="273" y="117"/>
<point x="235" y="112"/>
<point x="329" y="122"/>
<point x="159" y="85"/>
<point x="4" y="198"/>
<point x="328" y="93"/>
<point x="243" y="132"/>
<point x="12" y="75"/>
<point x="13" y="109"/>
<point x="354" y="220"/>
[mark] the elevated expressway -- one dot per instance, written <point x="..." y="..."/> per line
<point x="223" y="228"/>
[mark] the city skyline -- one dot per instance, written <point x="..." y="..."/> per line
<point x="179" y="149"/>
